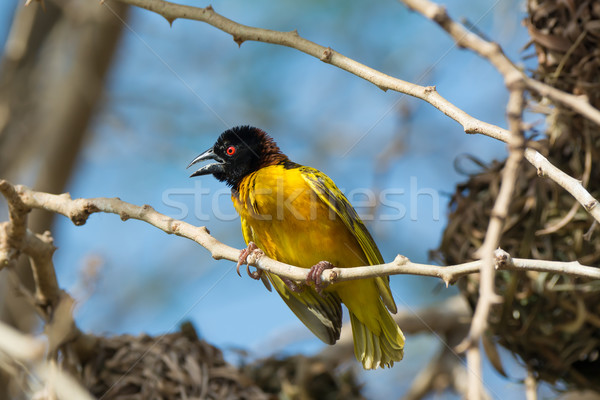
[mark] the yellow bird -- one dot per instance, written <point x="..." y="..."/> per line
<point x="297" y="215"/>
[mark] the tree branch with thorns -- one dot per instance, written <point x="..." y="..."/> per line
<point x="79" y="210"/>
<point x="16" y="240"/>
<point x="489" y="50"/>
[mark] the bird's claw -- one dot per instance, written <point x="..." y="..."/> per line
<point x="315" y="275"/>
<point x="292" y="285"/>
<point x="254" y="274"/>
<point x="252" y="249"/>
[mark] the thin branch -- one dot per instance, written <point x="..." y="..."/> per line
<point x="241" y="33"/>
<point x="79" y="210"/>
<point x="17" y="239"/>
<point x="487" y="295"/>
<point x="61" y="383"/>
<point x="53" y="305"/>
<point x="40" y="248"/>
<point x="493" y="52"/>
<point x="530" y="386"/>
<point x="28" y="350"/>
<point x="20" y="346"/>
<point x="17" y="226"/>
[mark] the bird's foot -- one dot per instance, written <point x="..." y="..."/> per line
<point x="292" y="285"/>
<point x="251" y="251"/>
<point x="315" y="275"/>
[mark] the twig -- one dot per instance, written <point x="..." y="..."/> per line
<point x="530" y="386"/>
<point x="40" y="248"/>
<point x="20" y="346"/>
<point x="54" y="305"/>
<point x="487" y="296"/>
<point x="62" y="383"/>
<point x="241" y="33"/>
<point x="29" y="351"/>
<point x="585" y="178"/>
<point x="17" y="226"/>
<point x="80" y="209"/>
<point x="493" y="52"/>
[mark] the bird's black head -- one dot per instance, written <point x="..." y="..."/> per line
<point x="238" y="152"/>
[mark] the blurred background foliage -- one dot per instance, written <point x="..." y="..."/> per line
<point x="171" y="90"/>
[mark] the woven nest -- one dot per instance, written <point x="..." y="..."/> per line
<point x="551" y="322"/>
<point x="300" y="377"/>
<point x="181" y="366"/>
<point x="566" y="35"/>
<point x="173" y="366"/>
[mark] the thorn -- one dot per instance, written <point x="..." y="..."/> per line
<point x="591" y="205"/>
<point x="209" y="8"/>
<point x="170" y="20"/>
<point x="327" y="54"/>
<point x="470" y="129"/>
<point x="401" y="260"/>
<point x="430" y="89"/>
<point x="540" y="172"/>
<point x="238" y="40"/>
<point x="295" y="32"/>
<point x="383" y="88"/>
<point x="501" y="258"/>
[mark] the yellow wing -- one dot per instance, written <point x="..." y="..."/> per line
<point x="329" y="193"/>
<point x="321" y="313"/>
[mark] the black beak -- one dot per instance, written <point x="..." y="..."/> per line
<point x="213" y="168"/>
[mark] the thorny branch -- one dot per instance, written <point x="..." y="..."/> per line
<point x="494" y="54"/>
<point x="15" y="239"/>
<point x="78" y="211"/>
<point x="18" y="347"/>
<point x="492" y="51"/>
<point x="516" y="81"/>
<point x="487" y="296"/>
<point x="53" y="305"/>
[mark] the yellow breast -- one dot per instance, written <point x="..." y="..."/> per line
<point x="286" y="219"/>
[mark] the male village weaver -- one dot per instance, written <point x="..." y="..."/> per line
<point x="319" y="229"/>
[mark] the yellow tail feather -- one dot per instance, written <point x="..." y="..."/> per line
<point x="378" y="351"/>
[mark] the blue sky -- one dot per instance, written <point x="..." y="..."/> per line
<point x="173" y="90"/>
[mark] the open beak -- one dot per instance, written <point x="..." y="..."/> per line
<point x="213" y="168"/>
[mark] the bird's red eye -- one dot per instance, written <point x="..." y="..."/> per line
<point x="230" y="150"/>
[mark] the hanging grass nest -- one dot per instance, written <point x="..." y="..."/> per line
<point x="552" y="322"/>
<point x="566" y="35"/>
<point x="181" y="366"/>
<point x="303" y="378"/>
<point x="172" y="366"/>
